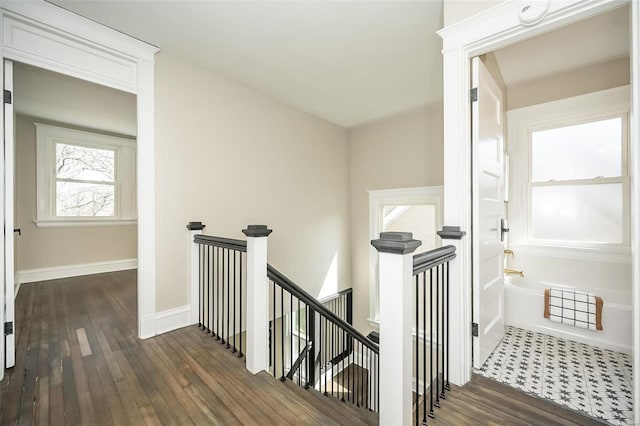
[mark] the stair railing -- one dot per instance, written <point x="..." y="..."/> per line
<point x="431" y="275"/>
<point x="259" y="313"/>
<point x="339" y="361"/>
<point x="414" y="328"/>
<point x="218" y="266"/>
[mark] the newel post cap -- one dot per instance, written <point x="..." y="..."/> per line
<point x="195" y="226"/>
<point x="396" y="243"/>
<point x="257" y="231"/>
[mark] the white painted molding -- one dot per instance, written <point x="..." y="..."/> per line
<point x="194" y="277"/>
<point x="634" y="141"/>
<point x="173" y="319"/>
<point x="485" y="32"/>
<point x="396" y="272"/>
<point x="82" y="223"/>
<point x="41" y="34"/>
<point x="256" y="353"/>
<point x="57" y="272"/>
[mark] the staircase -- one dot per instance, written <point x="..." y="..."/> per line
<point x="311" y="344"/>
<point x="263" y="317"/>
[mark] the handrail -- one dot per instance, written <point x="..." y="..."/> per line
<point x="229" y="243"/>
<point x="336" y="295"/>
<point x="433" y="258"/>
<point x="314" y="304"/>
<point x="305" y="351"/>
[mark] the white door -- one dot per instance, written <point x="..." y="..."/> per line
<point x="7" y="189"/>
<point x="488" y="208"/>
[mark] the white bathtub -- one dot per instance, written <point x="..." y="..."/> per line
<point x="524" y="308"/>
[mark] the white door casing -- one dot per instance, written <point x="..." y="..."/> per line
<point x="46" y="36"/>
<point x="492" y="29"/>
<point x="7" y="245"/>
<point x="488" y="206"/>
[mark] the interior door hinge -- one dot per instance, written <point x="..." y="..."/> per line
<point x="474" y="329"/>
<point x="7" y="96"/>
<point x="474" y="94"/>
<point x="8" y="328"/>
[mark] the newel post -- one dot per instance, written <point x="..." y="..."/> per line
<point x="257" y="298"/>
<point x="395" y="254"/>
<point x="195" y="228"/>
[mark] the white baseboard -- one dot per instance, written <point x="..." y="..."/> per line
<point x="56" y="272"/>
<point x="172" y="319"/>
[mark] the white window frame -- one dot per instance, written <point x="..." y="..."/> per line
<point x="522" y="123"/>
<point x="47" y="136"/>
<point x="395" y="197"/>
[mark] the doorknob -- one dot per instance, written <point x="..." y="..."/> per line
<point x="504" y="228"/>
<point x="18" y="230"/>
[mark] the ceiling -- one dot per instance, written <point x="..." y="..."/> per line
<point x="347" y="62"/>
<point x="67" y="100"/>
<point x="596" y="40"/>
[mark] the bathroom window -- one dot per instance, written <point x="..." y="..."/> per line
<point x="578" y="183"/>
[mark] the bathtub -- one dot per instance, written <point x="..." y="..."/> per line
<point x="524" y="308"/>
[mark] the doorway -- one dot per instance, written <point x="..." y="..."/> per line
<point x="71" y="45"/>
<point x="75" y="186"/>
<point x="526" y="218"/>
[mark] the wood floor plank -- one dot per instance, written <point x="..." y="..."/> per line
<point x="79" y="362"/>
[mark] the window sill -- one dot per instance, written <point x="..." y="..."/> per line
<point x="83" y="223"/>
<point x="614" y="254"/>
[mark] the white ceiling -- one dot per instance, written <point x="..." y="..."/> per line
<point x="67" y="100"/>
<point x="596" y="40"/>
<point x="347" y="62"/>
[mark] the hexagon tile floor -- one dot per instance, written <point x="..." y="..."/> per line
<point x="581" y="377"/>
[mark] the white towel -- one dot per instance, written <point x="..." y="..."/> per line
<point x="572" y="307"/>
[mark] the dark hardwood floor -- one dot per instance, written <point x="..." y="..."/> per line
<point x="486" y="402"/>
<point x="79" y="362"/>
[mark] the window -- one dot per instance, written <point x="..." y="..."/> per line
<point x="578" y="183"/>
<point x="416" y="210"/>
<point x="84" y="178"/>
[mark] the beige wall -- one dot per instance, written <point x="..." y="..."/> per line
<point x="597" y="77"/>
<point x="50" y="247"/>
<point x="457" y="10"/>
<point x="229" y="156"/>
<point x="397" y="152"/>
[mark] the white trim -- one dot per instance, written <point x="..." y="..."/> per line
<point x="386" y="197"/>
<point x="173" y="319"/>
<point x="634" y="154"/>
<point x="56" y="272"/>
<point x="194" y="277"/>
<point x="124" y="154"/>
<point x="47" y="36"/>
<point x="492" y="29"/>
<point x="80" y="223"/>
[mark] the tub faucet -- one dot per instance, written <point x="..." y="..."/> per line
<point x="513" y="272"/>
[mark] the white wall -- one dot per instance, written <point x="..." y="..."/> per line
<point x="39" y="248"/>
<point x="397" y="152"/>
<point x="229" y="156"/>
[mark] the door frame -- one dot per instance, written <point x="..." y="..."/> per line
<point x="487" y="31"/>
<point x="46" y="36"/>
